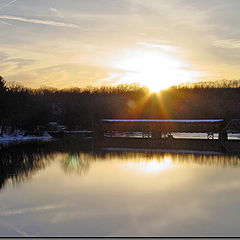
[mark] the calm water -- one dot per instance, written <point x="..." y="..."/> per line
<point x="70" y="189"/>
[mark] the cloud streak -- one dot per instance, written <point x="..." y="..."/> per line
<point x="228" y="43"/>
<point x="56" y="12"/>
<point x="15" y="229"/>
<point x="5" y="23"/>
<point x="162" y="47"/>
<point x="38" y="21"/>
<point x="33" y="209"/>
<point x="8" y="4"/>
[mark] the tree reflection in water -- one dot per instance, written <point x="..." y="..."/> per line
<point x="78" y="163"/>
<point x="19" y="162"/>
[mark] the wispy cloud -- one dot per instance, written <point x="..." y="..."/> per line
<point x="4" y="6"/>
<point x="33" y="209"/>
<point x="228" y="43"/>
<point x="38" y="21"/>
<point x="5" y="23"/>
<point x="8" y="4"/>
<point x="15" y="229"/>
<point x="111" y="79"/>
<point x="162" y="47"/>
<point x="56" y="12"/>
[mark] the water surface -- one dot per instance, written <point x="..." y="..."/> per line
<point x="65" y="189"/>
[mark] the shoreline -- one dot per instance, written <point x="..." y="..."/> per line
<point x="8" y="138"/>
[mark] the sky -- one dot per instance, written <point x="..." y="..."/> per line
<point x="157" y="43"/>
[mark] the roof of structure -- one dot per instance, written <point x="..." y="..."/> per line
<point x="164" y="120"/>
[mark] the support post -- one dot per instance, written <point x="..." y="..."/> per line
<point x="223" y="136"/>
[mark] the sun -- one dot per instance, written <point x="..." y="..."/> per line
<point x="154" y="69"/>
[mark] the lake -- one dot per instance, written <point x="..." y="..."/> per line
<point x="71" y="188"/>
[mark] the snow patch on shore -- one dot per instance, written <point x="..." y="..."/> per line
<point x="20" y="138"/>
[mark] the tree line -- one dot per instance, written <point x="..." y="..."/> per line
<point x="77" y="108"/>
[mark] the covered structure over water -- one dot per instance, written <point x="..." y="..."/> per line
<point x="159" y="127"/>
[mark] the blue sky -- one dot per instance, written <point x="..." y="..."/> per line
<point x="65" y="43"/>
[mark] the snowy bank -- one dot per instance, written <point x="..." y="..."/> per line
<point x="20" y="138"/>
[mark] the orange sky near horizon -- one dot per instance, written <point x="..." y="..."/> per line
<point x="67" y="43"/>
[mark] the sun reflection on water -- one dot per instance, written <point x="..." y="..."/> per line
<point x="153" y="166"/>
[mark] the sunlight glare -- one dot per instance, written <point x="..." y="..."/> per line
<point x="154" y="69"/>
<point x="152" y="166"/>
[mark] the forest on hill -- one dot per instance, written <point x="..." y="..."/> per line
<point x="25" y="108"/>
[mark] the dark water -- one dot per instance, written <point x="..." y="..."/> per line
<point x="70" y="188"/>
